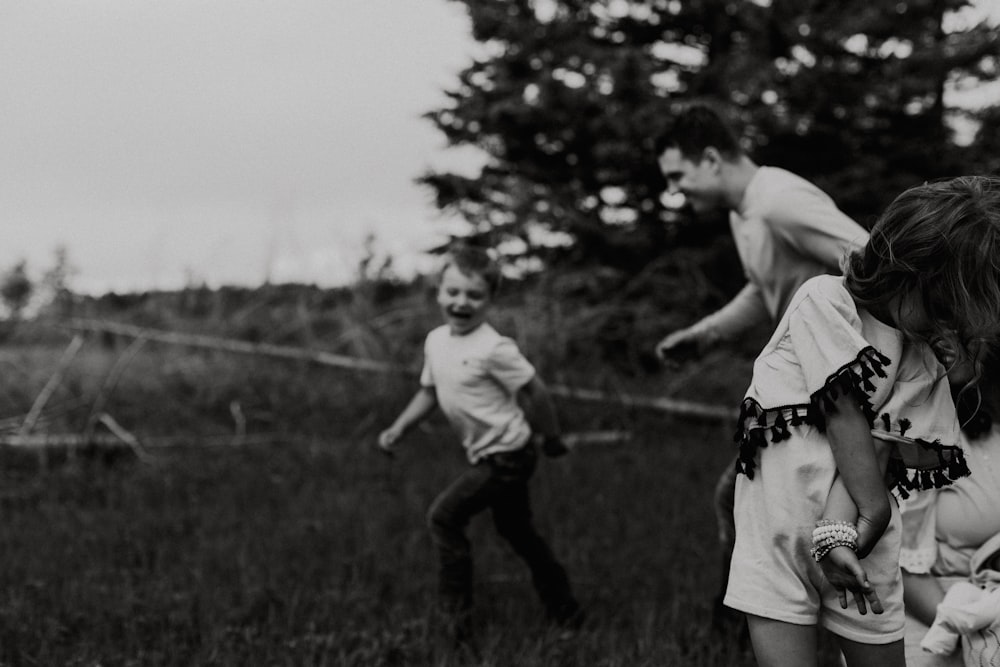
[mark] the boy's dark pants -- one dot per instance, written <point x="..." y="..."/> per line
<point x="500" y="483"/>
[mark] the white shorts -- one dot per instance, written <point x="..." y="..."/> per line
<point x="773" y="574"/>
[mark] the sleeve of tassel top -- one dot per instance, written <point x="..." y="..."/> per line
<point x="825" y="332"/>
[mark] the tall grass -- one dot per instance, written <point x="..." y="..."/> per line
<point x="316" y="553"/>
<point x="312" y="550"/>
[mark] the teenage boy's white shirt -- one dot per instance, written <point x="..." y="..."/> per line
<point x="786" y="231"/>
<point x="476" y="377"/>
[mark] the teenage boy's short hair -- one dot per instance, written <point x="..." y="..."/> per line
<point x="472" y="260"/>
<point x="695" y="129"/>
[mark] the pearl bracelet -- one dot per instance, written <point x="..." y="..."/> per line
<point x="830" y="534"/>
<point x="827" y="529"/>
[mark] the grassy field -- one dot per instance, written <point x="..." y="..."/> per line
<point x="316" y="554"/>
<point x="312" y="549"/>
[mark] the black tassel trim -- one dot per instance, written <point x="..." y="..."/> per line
<point x="749" y="444"/>
<point x="755" y="423"/>
<point x="866" y="376"/>
<point x="950" y="466"/>
<point x="958" y="467"/>
<point x="898" y="479"/>
<point x="780" y="430"/>
<point x="854" y="379"/>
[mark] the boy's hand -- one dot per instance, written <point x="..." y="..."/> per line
<point x="685" y="345"/>
<point x="388" y="438"/>
<point x="553" y="446"/>
<point x="844" y="572"/>
<point x="676" y="347"/>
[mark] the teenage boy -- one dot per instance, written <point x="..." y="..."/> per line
<point x="786" y="231"/>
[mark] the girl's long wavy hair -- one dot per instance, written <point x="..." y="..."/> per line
<point x="977" y="409"/>
<point x="939" y="242"/>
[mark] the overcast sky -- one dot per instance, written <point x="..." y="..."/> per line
<point x="227" y="141"/>
<point x="171" y="142"/>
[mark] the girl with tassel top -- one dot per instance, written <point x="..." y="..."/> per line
<point x="847" y="404"/>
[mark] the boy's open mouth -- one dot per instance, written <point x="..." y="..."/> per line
<point x="459" y="315"/>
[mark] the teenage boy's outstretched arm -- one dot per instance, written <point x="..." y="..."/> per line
<point x="536" y="401"/>
<point x="421" y="405"/>
<point x="742" y="313"/>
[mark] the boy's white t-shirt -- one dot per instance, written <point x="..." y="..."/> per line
<point x="476" y="377"/>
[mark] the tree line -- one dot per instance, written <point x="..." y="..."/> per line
<point x="18" y="289"/>
<point x="565" y="98"/>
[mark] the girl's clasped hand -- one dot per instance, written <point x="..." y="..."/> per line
<point x="843" y="570"/>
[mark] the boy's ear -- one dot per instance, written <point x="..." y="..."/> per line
<point x="712" y="156"/>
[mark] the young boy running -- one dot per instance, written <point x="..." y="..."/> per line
<point x="478" y="377"/>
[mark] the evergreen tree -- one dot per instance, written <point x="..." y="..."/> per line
<point x="56" y="283"/>
<point x="567" y="96"/>
<point x="16" y="289"/>
<point x="860" y="94"/>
